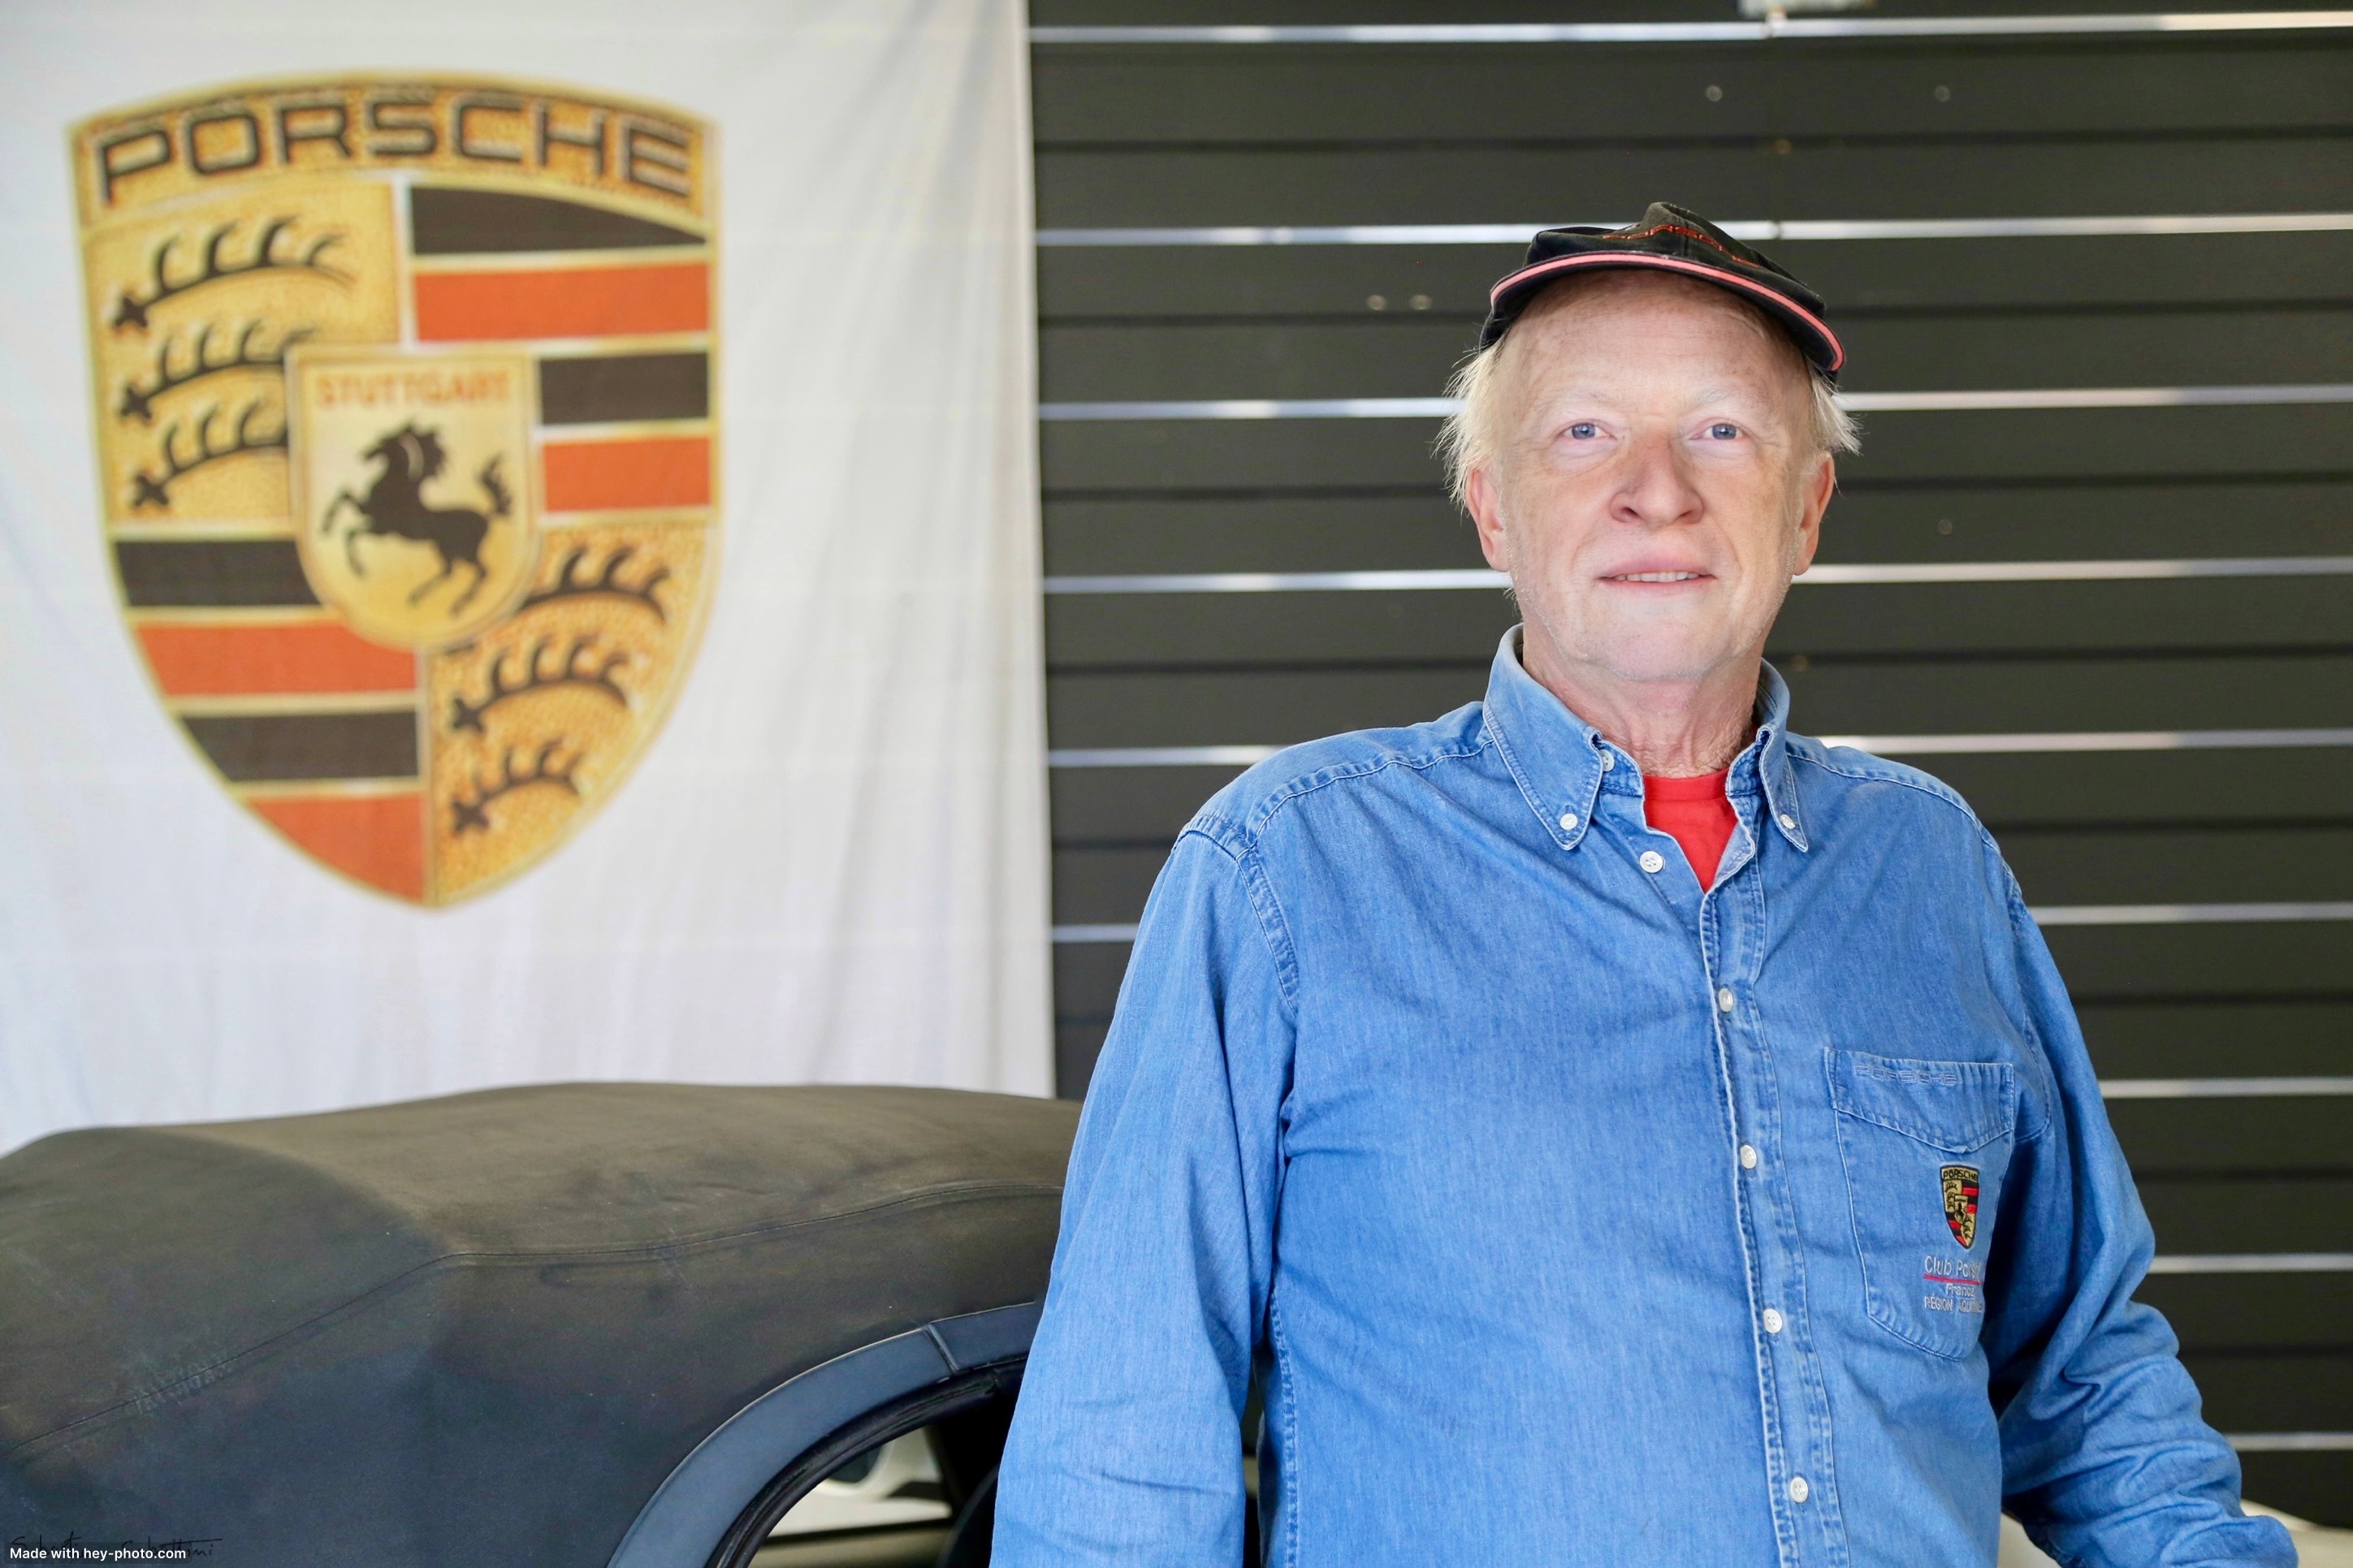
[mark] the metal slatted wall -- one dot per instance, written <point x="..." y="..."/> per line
<point x="2095" y="566"/>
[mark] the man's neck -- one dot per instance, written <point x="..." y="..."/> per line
<point x="1672" y="728"/>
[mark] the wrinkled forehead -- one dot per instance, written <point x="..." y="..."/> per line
<point x="1623" y="309"/>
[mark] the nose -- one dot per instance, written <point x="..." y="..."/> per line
<point x="1654" y="490"/>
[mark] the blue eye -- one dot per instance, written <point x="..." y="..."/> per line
<point x="1724" y="431"/>
<point x="1585" y="431"/>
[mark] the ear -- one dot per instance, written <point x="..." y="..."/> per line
<point x="1480" y="500"/>
<point x="1814" y="498"/>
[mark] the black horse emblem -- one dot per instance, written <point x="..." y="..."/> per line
<point x="394" y="505"/>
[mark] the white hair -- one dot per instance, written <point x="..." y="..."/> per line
<point x="1469" y="438"/>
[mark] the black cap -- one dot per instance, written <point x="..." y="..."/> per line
<point x="1670" y="239"/>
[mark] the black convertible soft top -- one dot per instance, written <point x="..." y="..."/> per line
<point x="493" y="1323"/>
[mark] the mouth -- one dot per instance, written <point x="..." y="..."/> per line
<point x="1655" y="577"/>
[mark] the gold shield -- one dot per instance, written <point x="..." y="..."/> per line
<point x="407" y="449"/>
<point x="1960" y="1186"/>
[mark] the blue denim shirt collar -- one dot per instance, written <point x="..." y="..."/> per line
<point x="1563" y="764"/>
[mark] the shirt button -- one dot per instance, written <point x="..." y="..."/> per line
<point x="1608" y="761"/>
<point x="1788" y="822"/>
<point x="1747" y="1158"/>
<point x="1653" y="861"/>
<point x="1799" y="1490"/>
<point x="1772" y="1323"/>
<point x="1568" y="822"/>
<point x="1723" y="1000"/>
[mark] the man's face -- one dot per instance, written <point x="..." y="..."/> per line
<point x="1654" y="484"/>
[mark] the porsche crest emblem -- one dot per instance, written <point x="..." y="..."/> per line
<point x="1961" y="1203"/>
<point x="406" y="450"/>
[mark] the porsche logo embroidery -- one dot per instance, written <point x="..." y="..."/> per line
<point x="1961" y="1203"/>
<point x="407" y="449"/>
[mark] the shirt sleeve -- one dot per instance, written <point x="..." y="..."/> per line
<point x="2106" y="1459"/>
<point x="1125" y="1445"/>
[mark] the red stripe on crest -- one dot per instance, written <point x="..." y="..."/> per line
<point x="243" y="662"/>
<point x="378" y="839"/>
<point x="604" y="476"/>
<point x="569" y="302"/>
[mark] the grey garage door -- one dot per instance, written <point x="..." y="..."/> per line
<point x="2095" y="566"/>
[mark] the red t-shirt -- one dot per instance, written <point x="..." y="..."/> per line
<point x="1697" y="813"/>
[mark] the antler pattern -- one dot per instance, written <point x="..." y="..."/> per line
<point x="131" y="310"/>
<point x="469" y="815"/>
<point x="577" y="667"/>
<point x="139" y="401"/>
<point x="570" y="584"/>
<point x="155" y="489"/>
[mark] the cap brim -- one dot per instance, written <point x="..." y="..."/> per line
<point x="1820" y="344"/>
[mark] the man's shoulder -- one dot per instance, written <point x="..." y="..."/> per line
<point x="1850" y="779"/>
<point x="1240" y="814"/>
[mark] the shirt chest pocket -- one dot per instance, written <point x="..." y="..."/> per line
<point x="1925" y="1145"/>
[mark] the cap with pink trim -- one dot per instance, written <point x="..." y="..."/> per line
<point x="1671" y="239"/>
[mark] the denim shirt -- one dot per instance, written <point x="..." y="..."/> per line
<point x="1575" y="1216"/>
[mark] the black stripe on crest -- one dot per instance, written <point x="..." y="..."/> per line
<point x="617" y="388"/>
<point x="165" y="573"/>
<point x="252" y="748"/>
<point x="451" y="221"/>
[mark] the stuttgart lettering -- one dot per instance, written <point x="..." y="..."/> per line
<point x="400" y="388"/>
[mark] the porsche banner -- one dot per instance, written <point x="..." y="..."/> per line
<point x="520" y="553"/>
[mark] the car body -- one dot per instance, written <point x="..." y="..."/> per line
<point x="624" y="1324"/>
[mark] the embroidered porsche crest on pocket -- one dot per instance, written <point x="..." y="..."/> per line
<point x="1961" y="1203"/>
<point x="1924" y="1139"/>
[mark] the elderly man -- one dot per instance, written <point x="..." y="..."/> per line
<point x="1618" y="1129"/>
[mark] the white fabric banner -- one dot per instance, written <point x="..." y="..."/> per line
<point x="521" y="551"/>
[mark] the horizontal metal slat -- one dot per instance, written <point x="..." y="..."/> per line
<point x="2274" y="1391"/>
<point x="1821" y="574"/>
<point x="1413" y="531"/>
<point x="1143" y="96"/>
<point x="2193" y="912"/>
<point x="2109" y="970"/>
<point x="2135" y="445"/>
<point x="2073" y="879"/>
<point x="2192" y="1214"/>
<point x="1169" y="282"/>
<point x="2258" y="1036"/>
<point x="2310" y="1483"/>
<point x="2103" y="965"/>
<point x="1097" y="889"/>
<point x="1277" y="707"/>
<point x="2135" y="84"/>
<point x="1086" y="981"/>
<point x="1932" y="401"/>
<point x="2334" y="912"/>
<point x="2070" y="744"/>
<point x="1660" y="29"/>
<point x="2257" y="1263"/>
<point x="1167" y="187"/>
<point x="1283" y="706"/>
<point x="1411" y="355"/>
<point x="1777" y="231"/>
<point x="2242" y="1313"/>
<point x="2156" y="865"/>
<point x="1103" y="934"/>
<point x="2279" y="961"/>
<point x="1225" y="629"/>
<point x="2008" y="790"/>
<point x="2002" y="696"/>
<point x="2210" y="1216"/>
<point x="1938" y="525"/>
